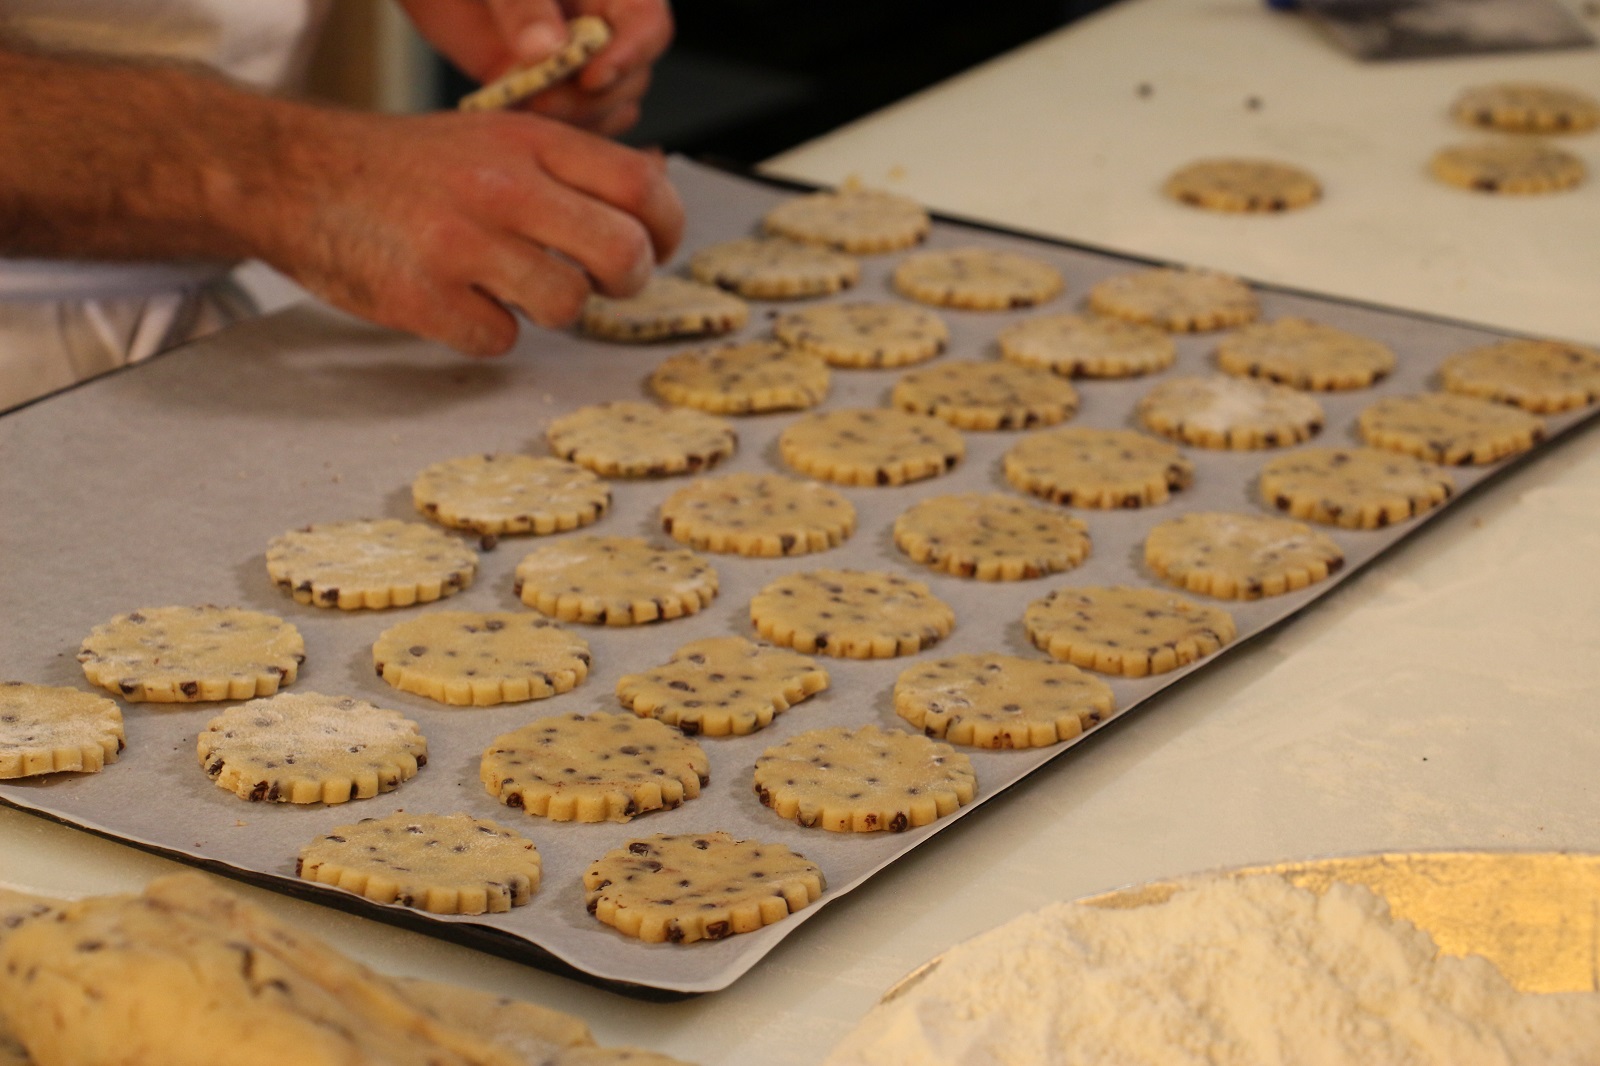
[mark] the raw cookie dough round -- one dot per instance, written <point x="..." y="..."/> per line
<point x="1357" y="488"/>
<point x="1088" y="346"/>
<point x="586" y="35"/>
<point x="850" y="614"/>
<point x="626" y="438"/>
<point x="871" y="446"/>
<point x="758" y="515"/>
<point x="1226" y="412"/>
<point x="310" y="748"/>
<point x="191" y="654"/>
<point x="615" y="581"/>
<point x="742" y="378"/>
<point x="774" y="268"/>
<point x="1104" y="468"/>
<point x="970" y="394"/>
<point x="1526" y="107"/>
<point x="440" y="863"/>
<point x="991" y="536"/>
<point x="473" y="659"/>
<point x="863" y="221"/>
<point x="1305" y="355"/>
<point x="594" y="768"/>
<point x="369" y="564"/>
<point x="1001" y="701"/>
<point x="1133" y="632"/>
<point x="46" y="729"/>
<point x="1240" y="556"/>
<point x="497" y="494"/>
<point x="1249" y="185"/>
<point x="977" y="279"/>
<point x="722" y="686"/>
<point x="668" y="307"/>
<point x="864" y="780"/>
<point x="697" y="886"/>
<point x="864" y="334"/>
<point x="1454" y="430"/>
<point x="1183" y="301"/>
<point x="1535" y="375"/>
<point x="1508" y="167"/>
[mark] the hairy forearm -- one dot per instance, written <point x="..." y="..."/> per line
<point x="116" y="160"/>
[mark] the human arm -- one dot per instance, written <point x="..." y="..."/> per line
<point x="487" y="38"/>
<point x="434" y="224"/>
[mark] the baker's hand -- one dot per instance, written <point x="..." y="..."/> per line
<point x="487" y="38"/>
<point x="439" y="224"/>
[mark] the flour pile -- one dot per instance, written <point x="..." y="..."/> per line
<point x="1231" y="972"/>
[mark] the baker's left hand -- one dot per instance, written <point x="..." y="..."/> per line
<point x="487" y="38"/>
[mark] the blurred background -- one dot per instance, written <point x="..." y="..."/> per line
<point x="744" y="80"/>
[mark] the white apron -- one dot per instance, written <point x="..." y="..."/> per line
<point x="63" y="321"/>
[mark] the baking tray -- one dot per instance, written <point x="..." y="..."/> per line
<point x="163" y="483"/>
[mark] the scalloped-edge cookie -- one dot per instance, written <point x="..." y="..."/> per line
<point x="681" y="888"/>
<point x="864" y="335"/>
<point x="1541" y="376"/>
<point x="1446" y="428"/>
<point x="743" y="378"/>
<point x="864" y="780"/>
<point x="667" y="308"/>
<point x="1305" y="355"/>
<point x="310" y="748"/>
<point x="1088" y="346"/>
<point x="440" y="863"/>
<point x="1356" y="488"/>
<point x="851" y="614"/>
<point x="494" y="495"/>
<point x="1527" y="107"/>
<point x="871" y="446"/>
<point x="764" y="515"/>
<point x="47" y="729"/>
<point x="627" y="438"/>
<point x="722" y="686"/>
<point x="1254" y="186"/>
<point x="372" y="564"/>
<point x="1182" y="301"/>
<point x="614" y="581"/>
<point x="1105" y="468"/>
<point x="1511" y="168"/>
<point x="593" y="768"/>
<point x="1236" y="556"/>
<point x="986" y="395"/>
<point x="774" y="268"/>
<point x="852" y="219"/>
<point x="1133" y="632"/>
<point x="478" y="659"/>
<point x="977" y="279"/>
<point x="991" y="536"/>
<point x="1001" y="701"/>
<point x="192" y="654"/>
<point x="586" y="35"/>
<point x="1218" y="411"/>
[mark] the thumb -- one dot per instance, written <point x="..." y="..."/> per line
<point x="531" y="29"/>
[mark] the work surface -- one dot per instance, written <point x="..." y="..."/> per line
<point x="1442" y="698"/>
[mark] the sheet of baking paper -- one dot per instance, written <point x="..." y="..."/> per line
<point x="163" y="484"/>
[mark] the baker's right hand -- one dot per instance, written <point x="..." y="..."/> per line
<point x="441" y="224"/>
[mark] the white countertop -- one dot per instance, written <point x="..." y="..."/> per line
<point x="1447" y="696"/>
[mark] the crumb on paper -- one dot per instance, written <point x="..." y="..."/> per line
<point x="1253" y="103"/>
<point x="897" y="172"/>
<point x="1146" y="90"/>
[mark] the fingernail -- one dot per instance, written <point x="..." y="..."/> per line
<point x="540" y="39"/>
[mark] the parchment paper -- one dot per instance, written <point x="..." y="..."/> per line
<point x="163" y="483"/>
